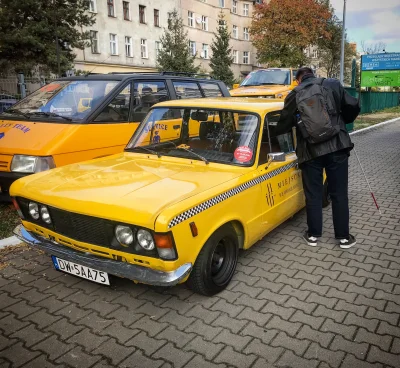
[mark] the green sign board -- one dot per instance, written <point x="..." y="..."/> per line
<point x="380" y="78"/>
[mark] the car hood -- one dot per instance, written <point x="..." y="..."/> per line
<point x="259" y="90"/>
<point x="32" y="138"/>
<point x="126" y="187"/>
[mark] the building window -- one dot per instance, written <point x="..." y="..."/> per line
<point x="156" y="18"/>
<point x="235" y="31"/>
<point x="192" y="47"/>
<point x="190" y="19"/>
<point x="158" y="48"/>
<point x="127" y="13"/>
<point x="246" y="34"/>
<point x="235" y="55"/>
<point x="204" y="23"/>
<point x="110" y="7"/>
<point x="234" y="6"/>
<point x="222" y="3"/>
<point x="246" y="57"/>
<point x="205" y="50"/>
<point x="142" y="14"/>
<point x="143" y="49"/>
<point x="128" y="46"/>
<point x="94" y="42"/>
<point x="92" y="6"/>
<point x="246" y="10"/>
<point x="113" y="44"/>
<point x="315" y="54"/>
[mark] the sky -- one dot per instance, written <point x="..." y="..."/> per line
<point x="372" y="21"/>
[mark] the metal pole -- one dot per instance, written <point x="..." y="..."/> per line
<point x="343" y="43"/>
<point x="57" y="46"/>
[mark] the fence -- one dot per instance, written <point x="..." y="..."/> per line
<point x="375" y="101"/>
<point x="17" y="87"/>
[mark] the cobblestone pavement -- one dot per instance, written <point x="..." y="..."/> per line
<point x="289" y="305"/>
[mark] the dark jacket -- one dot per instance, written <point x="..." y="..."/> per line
<point x="348" y="107"/>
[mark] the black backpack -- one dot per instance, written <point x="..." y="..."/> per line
<point x="317" y="108"/>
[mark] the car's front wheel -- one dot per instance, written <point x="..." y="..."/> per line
<point x="216" y="262"/>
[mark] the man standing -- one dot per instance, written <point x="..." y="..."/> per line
<point x="320" y="110"/>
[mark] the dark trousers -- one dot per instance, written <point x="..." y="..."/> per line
<point x="336" y="166"/>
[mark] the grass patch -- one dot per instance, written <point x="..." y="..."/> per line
<point x="8" y="220"/>
<point x="366" y="120"/>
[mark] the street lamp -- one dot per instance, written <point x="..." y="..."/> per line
<point x="343" y="43"/>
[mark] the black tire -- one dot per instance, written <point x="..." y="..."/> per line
<point x="326" y="200"/>
<point x="216" y="262"/>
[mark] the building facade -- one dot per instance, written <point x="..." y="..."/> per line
<point x="126" y="34"/>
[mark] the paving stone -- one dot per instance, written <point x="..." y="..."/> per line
<point x="10" y="323"/>
<point x="322" y="338"/>
<point x="177" y="357"/>
<point x="95" y="322"/>
<point x="350" y="307"/>
<point x="236" y="341"/>
<point x="234" y="325"/>
<point x="226" y="307"/>
<point x="264" y="334"/>
<point x="255" y="304"/>
<point x="53" y="347"/>
<point x="72" y="312"/>
<point x="41" y="362"/>
<point x="78" y="359"/>
<point x="208" y="349"/>
<point x="395" y="346"/>
<point x="289" y="359"/>
<point x="21" y="309"/>
<point x="369" y="324"/>
<point x="206" y="315"/>
<point x="231" y="357"/>
<point x="119" y="332"/>
<point x="358" y="349"/>
<point x="318" y="299"/>
<point x="114" y="351"/>
<point x="271" y="296"/>
<point x="391" y="318"/>
<point x="6" y="301"/>
<point x="179" y="338"/>
<point x="386" y="329"/>
<point x="379" y="356"/>
<point x="146" y="343"/>
<point x="259" y="318"/>
<point x="350" y="361"/>
<point x="314" y="322"/>
<point x="383" y="342"/>
<point x="346" y="331"/>
<point x="177" y="320"/>
<point x="277" y="323"/>
<point x="333" y="359"/>
<point x="282" y="312"/>
<point x="64" y="328"/>
<point x="206" y="331"/>
<point x="139" y="360"/>
<point x="270" y="353"/>
<point x="87" y="339"/>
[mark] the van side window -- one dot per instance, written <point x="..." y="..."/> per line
<point x="118" y="109"/>
<point x="187" y="90"/>
<point x="145" y="95"/>
<point x="211" y="89"/>
<point x="270" y="142"/>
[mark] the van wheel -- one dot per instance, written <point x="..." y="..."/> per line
<point x="216" y="262"/>
<point x="326" y="200"/>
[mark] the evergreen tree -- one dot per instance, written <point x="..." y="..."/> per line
<point x="175" y="54"/>
<point x="221" y="59"/>
<point x="29" y="29"/>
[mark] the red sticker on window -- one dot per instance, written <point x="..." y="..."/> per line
<point x="243" y="154"/>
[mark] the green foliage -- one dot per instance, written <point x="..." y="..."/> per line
<point x="28" y="33"/>
<point x="221" y="58"/>
<point x="175" y="55"/>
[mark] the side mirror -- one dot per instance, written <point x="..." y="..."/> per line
<point x="277" y="157"/>
<point x="236" y="85"/>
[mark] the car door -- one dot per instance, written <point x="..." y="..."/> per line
<point x="281" y="185"/>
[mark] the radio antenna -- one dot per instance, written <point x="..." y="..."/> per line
<point x="102" y="62"/>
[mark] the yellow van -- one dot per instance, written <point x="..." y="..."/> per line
<point x="81" y="118"/>
<point x="267" y="83"/>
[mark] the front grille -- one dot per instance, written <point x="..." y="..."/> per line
<point x="5" y="161"/>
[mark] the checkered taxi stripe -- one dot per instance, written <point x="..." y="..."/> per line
<point x="230" y="193"/>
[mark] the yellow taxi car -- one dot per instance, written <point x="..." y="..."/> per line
<point x="267" y="83"/>
<point x="168" y="210"/>
<point x="80" y="118"/>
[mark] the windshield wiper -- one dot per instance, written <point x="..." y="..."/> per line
<point x="193" y="153"/>
<point x="268" y="84"/>
<point x="49" y="114"/>
<point x="16" y="112"/>
<point x="144" y="149"/>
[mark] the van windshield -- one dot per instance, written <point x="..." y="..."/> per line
<point x="72" y="100"/>
<point x="267" y="77"/>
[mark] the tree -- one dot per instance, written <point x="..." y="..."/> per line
<point x="29" y="30"/>
<point x="175" y="53"/>
<point x="282" y="29"/>
<point x="221" y="58"/>
<point x="373" y="48"/>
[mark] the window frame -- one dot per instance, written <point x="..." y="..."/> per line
<point x="235" y="31"/>
<point x="111" y="8"/>
<point x="246" y="34"/>
<point x="246" y="9"/>
<point x="205" y="50"/>
<point x="114" y="42"/>
<point x="130" y="45"/>
<point x="192" y="43"/>
<point x="156" y="17"/>
<point x="129" y="18"/>
<point x="142" y="14"/>
<point x="146" y="48"/>
<point x="94" y="8"/>
<point x="248" y="57"/>
<point x="235" y="55"/>
<point x="190" y="19"/>
<point x="204" y="23"/>
<point x="157" y="48"/>
<point x="94" y="39"/>
<point x="221" y="3"/>
<point x="234" y="6"/>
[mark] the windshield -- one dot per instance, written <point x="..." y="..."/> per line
<point x="227" y="137"/>
<point x="267" y="77"/>
<point x="73" y="100"/>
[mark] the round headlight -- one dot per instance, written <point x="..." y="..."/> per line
<point x="44" y="213"/>
<point x="124" y="235"/>
<point x="145" y="239"/>
<point x="34" y="210"/>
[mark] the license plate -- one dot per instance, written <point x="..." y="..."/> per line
<point x="81" y="271"/>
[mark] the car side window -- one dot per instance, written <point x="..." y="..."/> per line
<point x="211" y="89"/>
<point x="187" y="90"/>
<point x="270" y="141"/>
<point x="146" y="93"/>
<point x="118" y="109"/>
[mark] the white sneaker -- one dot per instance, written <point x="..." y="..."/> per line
<point x="310" y="240"/>
<point x="348" y="242"/>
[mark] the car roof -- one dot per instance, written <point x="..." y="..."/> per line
<point x="126" y="76"/>
<point x="256" y="105"/>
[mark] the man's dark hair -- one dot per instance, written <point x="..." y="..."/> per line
<point x="303" y="71"/>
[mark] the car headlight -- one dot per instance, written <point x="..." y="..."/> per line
<point x="279" y="95"/>
<point x="31" y="164"/>
<point x="145" y="239"/>
<point x="45" y="215"/>
<point x="124" y="235"/>
<point x="34" y="210"/>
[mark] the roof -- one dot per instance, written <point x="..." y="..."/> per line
<point x="257" y="105"/>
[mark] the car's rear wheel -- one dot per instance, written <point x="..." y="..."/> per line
<point x="326" y="200"/>
<point x="216" y="262"/>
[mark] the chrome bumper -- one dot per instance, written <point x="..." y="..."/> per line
<point x="130" y="271"/>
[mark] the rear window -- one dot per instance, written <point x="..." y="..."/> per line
<point x="187" y="90"/>
<point x="211" y="89"/>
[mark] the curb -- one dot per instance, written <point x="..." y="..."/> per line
<point x="12" y="240"/>
<point x="375" y="126"/>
